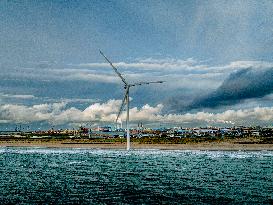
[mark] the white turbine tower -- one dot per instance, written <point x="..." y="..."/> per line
<point x="127" y="87"/>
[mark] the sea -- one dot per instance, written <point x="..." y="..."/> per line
<point x="36" y="175"/>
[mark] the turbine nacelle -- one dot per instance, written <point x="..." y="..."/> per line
<point x="145" y="83"/>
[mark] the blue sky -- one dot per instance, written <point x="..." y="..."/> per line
<point x="210" y="53"/>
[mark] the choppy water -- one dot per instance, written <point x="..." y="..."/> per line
<point x="94" y="176"/>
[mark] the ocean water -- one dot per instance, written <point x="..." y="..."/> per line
<point x="95" y="176"/>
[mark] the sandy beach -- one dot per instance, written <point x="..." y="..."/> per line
<point x="117" y="145"/>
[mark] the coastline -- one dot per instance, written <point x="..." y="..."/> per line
<point x="214" y="146"/>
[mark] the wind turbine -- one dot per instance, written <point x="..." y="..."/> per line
<point x="127" y="87"/>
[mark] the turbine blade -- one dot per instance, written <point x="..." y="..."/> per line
<point x="146" y="83"/>
<point x="122" y="104"/>
<point x="115" y="69"/>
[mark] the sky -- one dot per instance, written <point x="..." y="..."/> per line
<point x="215" y="56"/>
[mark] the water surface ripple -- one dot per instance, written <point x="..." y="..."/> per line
<point x="95" y="176"/>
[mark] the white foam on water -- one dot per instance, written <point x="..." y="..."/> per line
<point x="76" y="162"/>
<point x="40" y="150"/>
<point x="138" y="152"/>
<point x="234" y="154"/>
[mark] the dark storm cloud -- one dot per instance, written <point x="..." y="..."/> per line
<point x="243" y="84"/>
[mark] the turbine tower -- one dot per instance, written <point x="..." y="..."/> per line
<point x="127" y="87"/>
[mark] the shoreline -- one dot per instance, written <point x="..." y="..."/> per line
<point x="212" y="146"/>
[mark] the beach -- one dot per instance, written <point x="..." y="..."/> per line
<point x="226" y="145"/>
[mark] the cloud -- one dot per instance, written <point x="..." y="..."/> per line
<point x="150" y="64"/>
<point x="243" y="84"/>
<point x="59" y="114"/>
<point x="190" y="84"/>
<point x="32" y="99"/>
<point x="92" y="77"/>
<point x="185" y="73"/>
<point x="19" y="96"/>
<point x="25" y="114"/>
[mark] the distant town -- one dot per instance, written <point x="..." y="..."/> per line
<point x="108" y="132"/>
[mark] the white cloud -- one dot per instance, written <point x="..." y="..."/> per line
<point x="188" y="73"/>
<point x="151" y="64"/>
<point x="252" y="64"/>
<point x="57" y="113"/>
<point x="93" y="77"/>
<point x="6" y="98"/>
<point x="4" y="95"/>
<point x="170" y="64"/>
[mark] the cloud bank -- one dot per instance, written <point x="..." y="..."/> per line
<point x="222" y="86"/>
<point x="243" y="84"/>
<point x="58" y="114"/>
